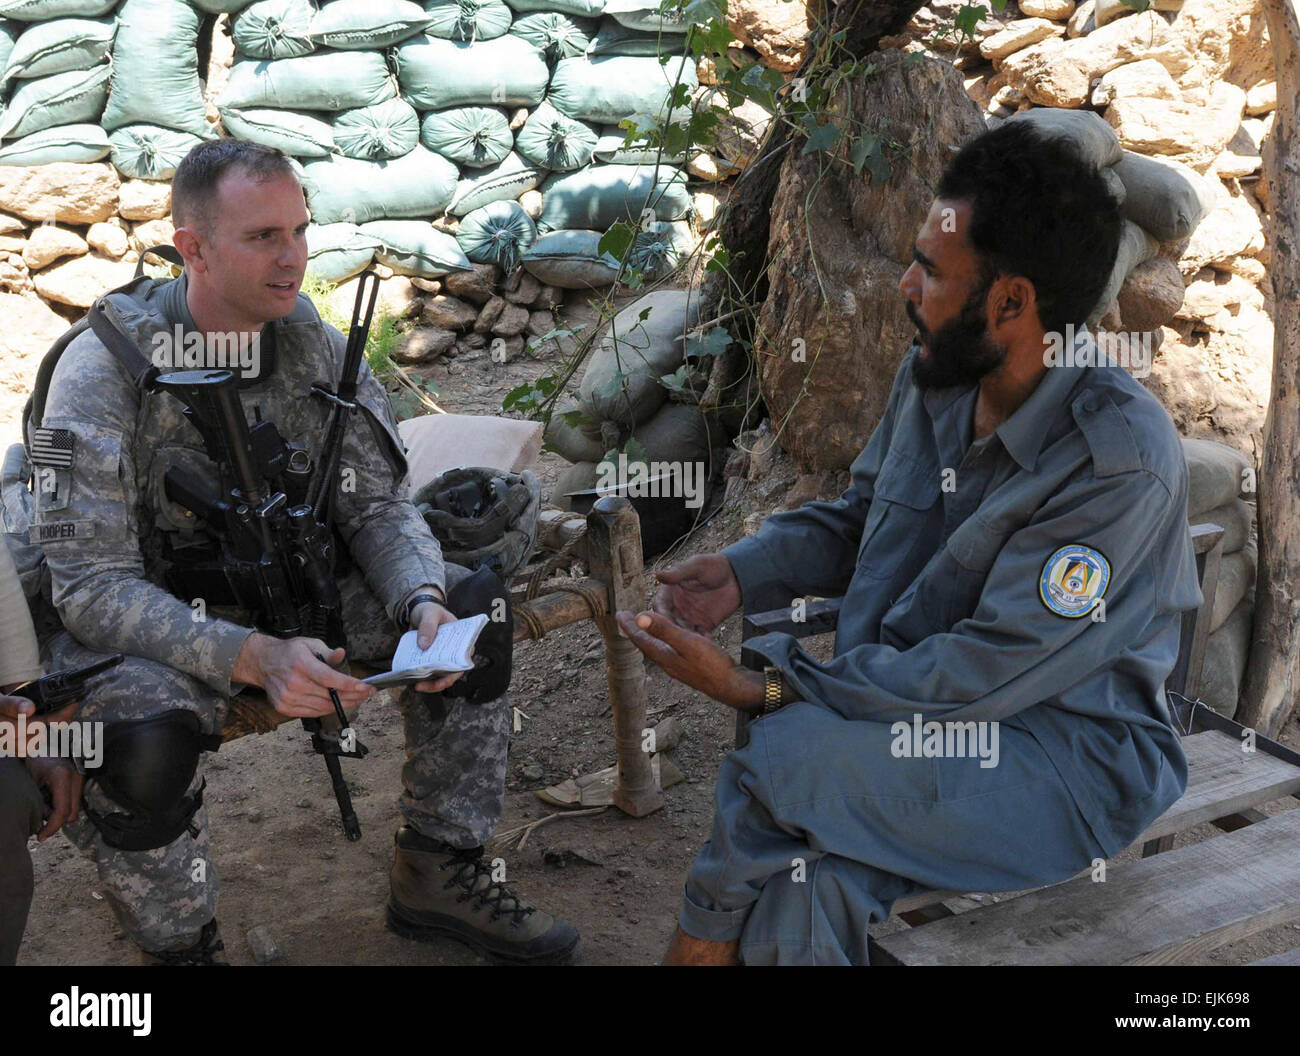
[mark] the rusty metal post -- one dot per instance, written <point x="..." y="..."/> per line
<point x="614" y="557"/>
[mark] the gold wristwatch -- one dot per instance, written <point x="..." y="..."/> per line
<point x="771" y="689"/>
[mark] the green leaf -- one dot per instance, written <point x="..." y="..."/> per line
<point x="823" y="137"/>
<point x="869" y="151"/>
<point x="968" y="17"/>
<point x="714" y="343"/>
<point x="618" y="240"/>
<point x="676" y="381"/>
<point x="635" y="450"/>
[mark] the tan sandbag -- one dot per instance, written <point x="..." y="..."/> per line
<point x="436" y="443"/>
<point x="1226" y="652"/>
<point x="678" y="432"/>
<point x="1215" y="475"/>
<point x="1236" y="579"/>
<point x="581" y="476"/>
<point x="573" y="441"/>
<point x="1164" y="196"/>
<point x="1093" y="139"/>
<point x="1235" y="518"/>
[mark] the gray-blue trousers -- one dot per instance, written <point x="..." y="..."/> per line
<point x="819" y="828"/>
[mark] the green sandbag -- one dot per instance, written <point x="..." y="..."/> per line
<point x="327" y="80"/>
<point x="581" y="8"/>
<point x="505" y="182"/>
<point x="1164" y="196"/>
<point x="300" y="135"/>
<point x="436" y="74"/>
<point x="415" y="247"/>
<point x="385" y="130"/>
<point x="594" y="198"/>
<point x="471" y="20"/>
<point x="156" y="68"/>
<point x="77" y="143"/>
<point x="220" y="7"/>
<point x="149" y="152"/>
<point x="8" y="37"/>
<point x="59" y="46"/>
<point x="336" y="252"/>
<point x="571" y="260"/>
<point x="274" y="29"/>
<point x="472" y="136"/>
<point x="45" y="10"/>
<point x="614" y="38"/>
<point x="611" y="89"/>
<point x="646" y="16"/>
<point x="64" y="99"/>
<point x="556" y="35"/>
<point x="659" y="248"/>
<point x="362" y="25"/>
<point x="610" y="149"/>
<point x="420" y="183"/>
<point x="554" y="141"/>
<point x="497" y="234"/>
<point x="678" y="432"/>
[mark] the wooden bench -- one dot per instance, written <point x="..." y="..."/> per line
<point x="1169" y="906"/>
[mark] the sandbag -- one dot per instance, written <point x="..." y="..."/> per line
<point x="416" y="247"/>
<point x="554" y="141"/>
<point x="581" y="476"/>
<point x="504" y="182"/>
<point x="556" y="35"/>
<point x="473" y="136"/>
<point x="75" y="143"/>
<point x="65" y="99"/>
<point x="220" y="7"/>
<point x="45" y="10"/>
<point x="581" y="8"/>
<point x="571" y="260"/>
<point x="592" y="199"/>
<point x="436" y="74"/>
<point x="298" y="134"/>
<point x="1226" y="652"/>
<point x="1215" y="474"/>
<point x="610" y="149"/>
<point x="646" y="16"/>
<point x="471" y="20"/>
<point x="418" y="184"/>
<point x="336" y="252"/>
<point x="622" y="379"/>
<point x="1164" y="196"/>
<point x="1236" y="579"/>
<point x="274" y="29"/>
<point x="677" y="432"/>
<point x="571" y="441"/>
<point x="327" y="80"/>
<point x="1093" y="140"/>
<point x="497" y="234"/>
<point x="9" y="32"/>
<point x="660" y="247"/>
<point x="385" y="130"/>
<point x="1236" y="518"/>
<point x="610" y="89"/>
<point x="1135" y="247"/>
<point x="59" y="46"/>
<point x="362" y="25"/>
<point x="156" y="68"/>
<point x="149" y="152"/>
<point x="614" y="38"/>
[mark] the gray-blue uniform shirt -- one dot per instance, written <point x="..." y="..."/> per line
<point x="1035" y="577"/>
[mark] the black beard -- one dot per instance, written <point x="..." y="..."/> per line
<point x="960" y="352"/>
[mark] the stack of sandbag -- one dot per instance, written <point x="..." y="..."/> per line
<point x="54" y="79"/>
<point x="1219" y="477"/>
<point x="621" y="396"/>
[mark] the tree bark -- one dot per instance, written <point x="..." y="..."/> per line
<point x="1273" y="671"/>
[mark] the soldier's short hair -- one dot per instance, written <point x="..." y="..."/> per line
<point x="194" y="187"/>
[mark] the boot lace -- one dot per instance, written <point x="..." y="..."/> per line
<point x="201" y="953"/>
<point x="474" y="877"/>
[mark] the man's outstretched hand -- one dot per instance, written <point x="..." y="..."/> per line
<point x="694" y="660"/>
<point x="698" y="594"/>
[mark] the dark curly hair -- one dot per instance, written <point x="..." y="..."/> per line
<point x="1039" y="210"/>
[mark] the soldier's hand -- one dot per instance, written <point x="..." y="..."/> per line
<point x="426" y="618"/>
<point x="63" y="783"/>
<point x="296" y="680"/>
<point x="12" y="707"/>
<point x="698" y="594"/>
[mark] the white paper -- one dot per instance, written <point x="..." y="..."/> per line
<point x="451" y="650"/>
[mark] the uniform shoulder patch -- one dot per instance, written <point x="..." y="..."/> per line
<point x="1074" y="579"/>
<point x="52" y="447"/>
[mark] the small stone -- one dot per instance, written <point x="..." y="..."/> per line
<point x="548" y="297"/>
<point x="531" y="203"/>
<point x="304" y="803"/>
<point x="108" y="239"/>
<point x="1057" y="10"/>
<point x="144" y="200"/>
<point x="518" y="118"/>
<point x="473" y="341"/>
<point x="449" y="313"/>
<point x="1262" y="99"/>
<point x="424" y="344"/>
<point x="532" y="772"/>
<point x="263" y="945"/>
<point x="563" y="857"/>
<point x="79" y="281"/>
<point x="704" y="166"/>
<point x="150" y="233"/>
<point x="540" y="323"/>
<point x="522" y="288"/>
<point x="491" y="312"/>
<point x="512" y="320"/>
<point x="477" y="285"/>
<point x="426" y="285"/>
<point x="47" y="243"/>
<point x="11" y="224"/>
<point x="706" y="208"/>
<point x="1081" y="23"/>
<point x="254" y="815"/>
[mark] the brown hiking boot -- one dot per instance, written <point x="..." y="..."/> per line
<point x="208" y="949"/>
<point x="437" y="890"/>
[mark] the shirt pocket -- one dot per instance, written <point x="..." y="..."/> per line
<point x="904" y="493"/>
<point x="962" y="570"/>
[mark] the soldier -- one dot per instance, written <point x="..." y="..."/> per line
<point x="112" y="538"/>
<point x="1014" y="554"/>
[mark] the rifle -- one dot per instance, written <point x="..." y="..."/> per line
<point x="273" y="519"/>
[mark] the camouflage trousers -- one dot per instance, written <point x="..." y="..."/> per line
<point x="453" y="780"/>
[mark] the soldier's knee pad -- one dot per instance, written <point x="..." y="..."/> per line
<point x="147" y="770"/>
<point x="484" y="592"/>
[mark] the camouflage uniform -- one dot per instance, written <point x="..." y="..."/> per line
<point x="108" y="573"/>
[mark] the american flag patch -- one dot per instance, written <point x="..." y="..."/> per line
<point x="52" y="447"/>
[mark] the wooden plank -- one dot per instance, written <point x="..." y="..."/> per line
<point x="1167" y="909"/>
<point x="1222" y="780"/>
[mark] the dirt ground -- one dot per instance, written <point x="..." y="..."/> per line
<point x="284" y="863"/>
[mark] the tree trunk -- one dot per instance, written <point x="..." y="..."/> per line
<point x="1273" y="672"/>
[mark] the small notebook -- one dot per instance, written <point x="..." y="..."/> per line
<point x="452" y="650"/>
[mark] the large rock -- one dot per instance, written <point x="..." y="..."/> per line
<point x="449" y="313"/>
<point x="739" y="133"/>
<point x="1144" y="36"/>
<point x="1194" y="135"/>
<point x="150" y="233"/>
<point x="63" y="192"/>
<point x="108" y="239"/>
<point x="1057" y="10"/>
<point x="424" y="344"/>
<point x="30" y="327"/>
<point x="836" y="232"/>
<point x="144" y="200"/>
<point x="1234" y="227"/>
<point x="1229" y="40"/>
<point x="776" y="29"/>
<point x="79" y="281"/>
<point x="1151" y="295"/>
<point x="1146" y="78"/>
<point x="47" y="243"/>
<point x="477" y="285"/>
<point x="1216" y="299"/>
<point x="1017" y="35"/>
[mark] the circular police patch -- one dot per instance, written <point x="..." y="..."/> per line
<point x="1074" y="580"/>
